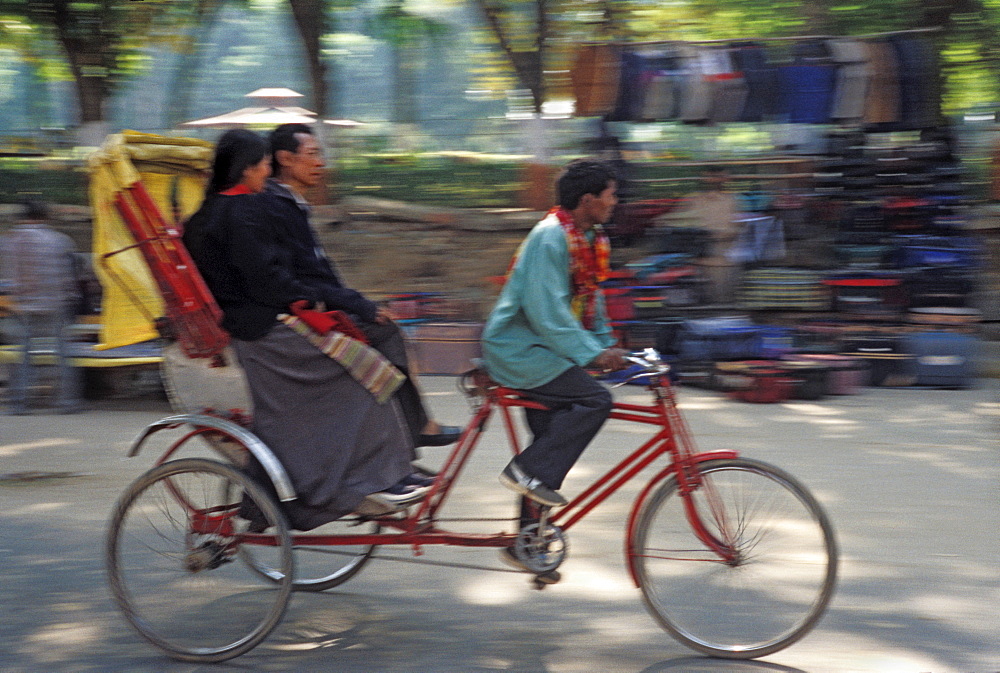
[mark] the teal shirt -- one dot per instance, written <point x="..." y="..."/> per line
<point x="532" y="335"/>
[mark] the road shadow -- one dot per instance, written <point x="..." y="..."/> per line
<point x="710" y="665"/>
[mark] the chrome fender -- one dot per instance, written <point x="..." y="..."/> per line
<point x="239" y="434"/>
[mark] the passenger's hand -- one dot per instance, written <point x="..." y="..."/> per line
<point x="384" y="316"/>
<point x="611" y="360"/>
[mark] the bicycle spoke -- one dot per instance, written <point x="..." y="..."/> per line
<point x="769" y="593"/>
<point x="171" y="545"/>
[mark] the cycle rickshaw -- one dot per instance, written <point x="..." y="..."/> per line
<point x="734" y="557"/>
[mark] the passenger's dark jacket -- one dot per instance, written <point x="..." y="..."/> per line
<point x="258" y="254"/>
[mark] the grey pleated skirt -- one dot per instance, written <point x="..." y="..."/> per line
<point x="335" y="441"/>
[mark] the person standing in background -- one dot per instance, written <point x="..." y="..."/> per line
<point x="37" y="269"/>
<point x="718" y="211"/>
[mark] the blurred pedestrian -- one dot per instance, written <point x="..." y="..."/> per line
<point x="718" y="211"/>
<point x="37" y="268"/>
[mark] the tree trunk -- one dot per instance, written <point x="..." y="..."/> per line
<point x="310" y="19"/>
<point x="527" y="65"/>
<point x="940" y="13"/>
<point x="816" y="17"/>
<point x="90" y="60"/>
<point x="92" y="91"/>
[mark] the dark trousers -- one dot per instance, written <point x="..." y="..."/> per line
<point x="577" y="408"/>
<point x="387" y="339"/>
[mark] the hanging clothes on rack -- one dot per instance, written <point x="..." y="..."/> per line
<point x="595" y="77"/>
<point x="887" y="81"/>
<point x="807" y="85"/>
<point x="853" y="77"/>
<point x="661" y="83"/>
<point x="882" y="100"/>
<point x="761" y="80"/>
<point x="729" y="89"/>
<point x="629" y="102"/>
<point x="696" y="103"/>
<point x="918" y="78"/>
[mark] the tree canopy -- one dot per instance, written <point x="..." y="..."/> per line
<point x="516" y="44"/>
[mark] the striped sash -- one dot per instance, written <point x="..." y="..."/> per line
<point x="365" y="364"/>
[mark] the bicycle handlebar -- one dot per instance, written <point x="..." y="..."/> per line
<point x="651" y="362"/>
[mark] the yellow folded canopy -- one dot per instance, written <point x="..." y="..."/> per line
<point x="173" y="171"/>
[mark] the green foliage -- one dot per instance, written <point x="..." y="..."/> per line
<point x="434" y="179"/>
<point x="58" y="182"/>
<point x="102" y="43"/>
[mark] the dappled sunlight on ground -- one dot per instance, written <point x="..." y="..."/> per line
<point x="931" y="413"/>
<point x="812" y="409"/>
<point x="704" y="403"/>
<point x="857" y="653"/>
<point x="951" y="607"/>
<point x="61" y="642"/>
<point x="494" y="589"/>
<point x="987" y="409"/>
<point x="624" y="632"/>
<point x="908" y="478"/>
<point x="594" y="581"/>
<point x="938" y="457"/>
<point x="36" y="508"/>
<point x="8" y="450"/>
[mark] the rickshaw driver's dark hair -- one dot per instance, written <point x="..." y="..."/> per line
<point x="583" y="176"/>
<point x="284" y="138"/>
<point x="236" y="151"/>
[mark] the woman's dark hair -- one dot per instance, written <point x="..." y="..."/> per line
<point x="583" y="176"/>
<point x="236" y="151"/>
<point x="284" y="138"/>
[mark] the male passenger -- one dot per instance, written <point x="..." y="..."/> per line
<point x="298" y="165"/>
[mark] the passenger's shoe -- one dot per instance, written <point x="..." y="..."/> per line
<point x="508" y="556"/>
<point x="516" y="479"/>
<point x="392" y="499"/>
<point x="447" y="434"/>
<point x="417" y="479"/>
<point x="257" y="526"/>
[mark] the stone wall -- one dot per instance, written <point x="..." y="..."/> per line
<point x="383" y="247"/>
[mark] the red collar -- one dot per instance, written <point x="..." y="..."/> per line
<point x="237" y="190"/>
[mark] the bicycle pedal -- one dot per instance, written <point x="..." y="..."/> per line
<point x="546" y="579"/>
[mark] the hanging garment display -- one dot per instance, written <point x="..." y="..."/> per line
<point x="661" y="82"/>
<point x="595" y="79"/>
<point x="882" y="100"/>
<point x="729" y="89"/>
<point x="885" y="83"/>
<point x="853" y="75"/>
<point x="807" y="85"/>
<point x="761" y="80"/>
<point x="696" y="103"/>
<point x="629" y="101"/>
<point x="918" y="79"/>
